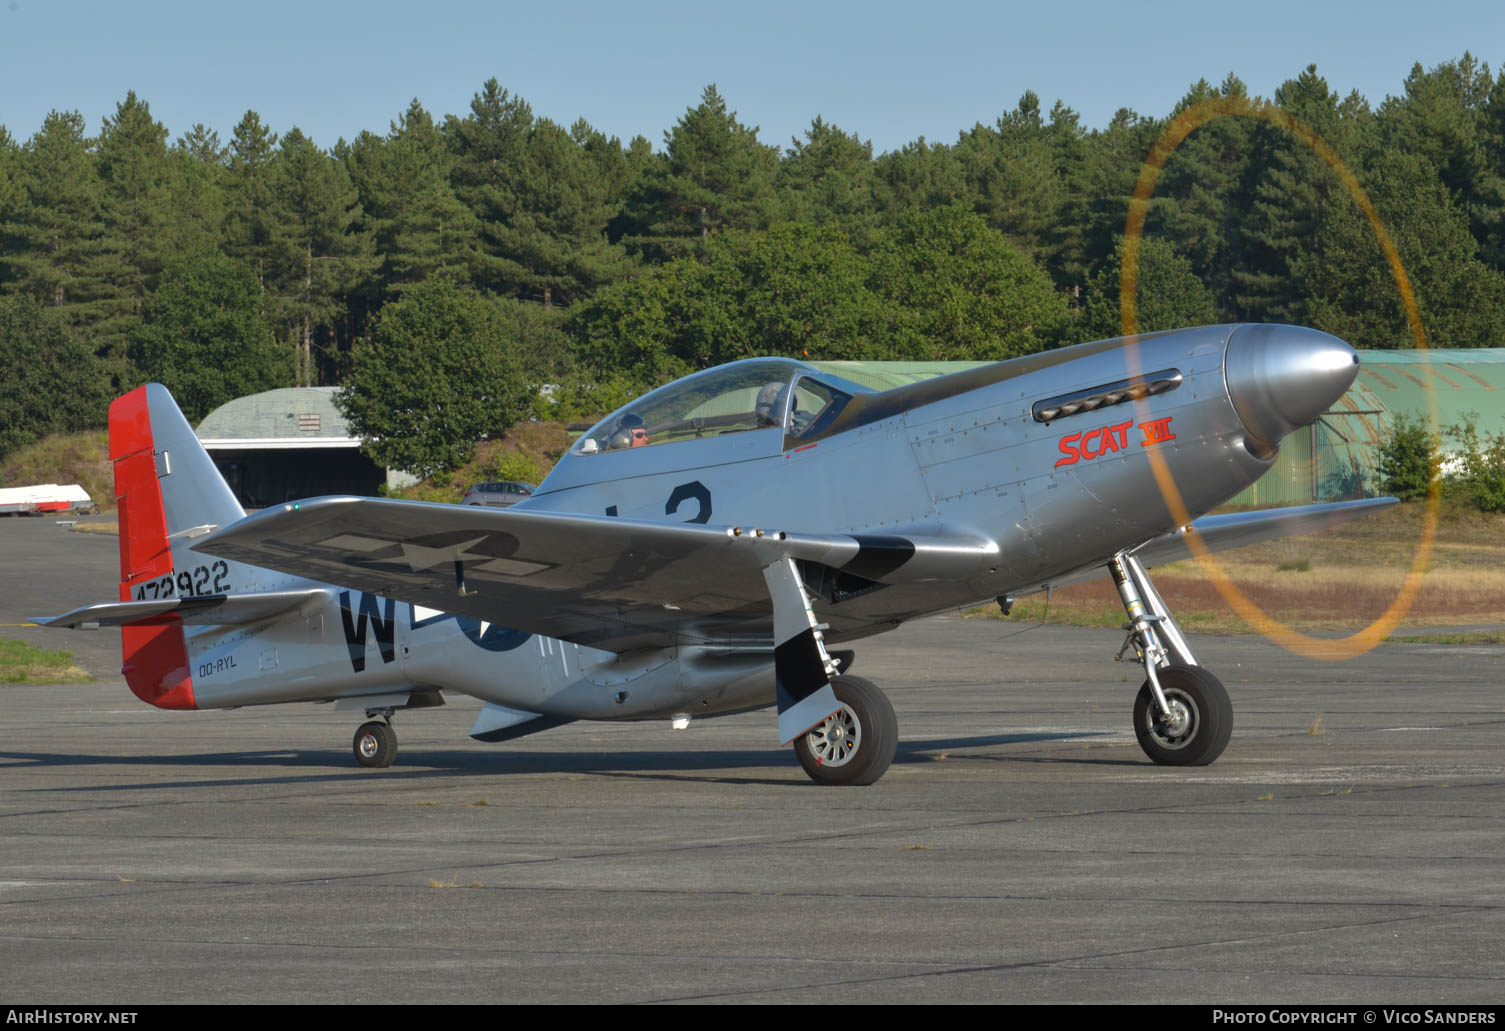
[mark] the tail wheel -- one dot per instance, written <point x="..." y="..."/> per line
<point x="1199" y="724"/>
<point x="375" y="744"/>
<point x="856" y="744"/>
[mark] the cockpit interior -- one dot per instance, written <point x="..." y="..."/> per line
<point x="756" y="394"/>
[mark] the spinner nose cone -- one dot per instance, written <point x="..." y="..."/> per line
<point x="1284" y="377"/>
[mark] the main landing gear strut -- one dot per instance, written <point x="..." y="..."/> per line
<point x="1182" y="715"/>
<point x="843" y="728"/>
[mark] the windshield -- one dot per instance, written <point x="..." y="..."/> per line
<point x="746" y="395"/>
<point x="816" y="406"/>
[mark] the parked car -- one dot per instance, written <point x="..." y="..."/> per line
<point x="498" y="494"/>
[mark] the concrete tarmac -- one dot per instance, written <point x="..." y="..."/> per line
<point x="1349" y="847"/>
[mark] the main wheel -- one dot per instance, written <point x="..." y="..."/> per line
<point x="375" y="744"/>
<point x="1200" y="722"/>
<point x="856" y="744"/>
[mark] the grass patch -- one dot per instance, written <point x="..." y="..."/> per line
<point x="111" y="527"/>
<point x="22" y="663"/>
<point x="1475" y="637"/>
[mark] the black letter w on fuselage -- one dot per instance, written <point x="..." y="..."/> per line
<point x="383" y="622"/>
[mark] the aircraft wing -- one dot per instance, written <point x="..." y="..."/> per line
<point x="610" y="583"/>
<point x="1236" y="529"/>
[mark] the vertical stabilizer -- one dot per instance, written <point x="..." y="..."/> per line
<point x="167" y="493"/>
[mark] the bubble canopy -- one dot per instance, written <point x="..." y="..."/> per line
<point x="753" y="394"/>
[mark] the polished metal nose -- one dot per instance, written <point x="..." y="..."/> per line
<point x="1283" y="377"/>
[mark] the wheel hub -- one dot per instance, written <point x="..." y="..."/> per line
<point x="368" y="745"/>
<point x="836" y="739"/>
<point x="1175" y="722"/>
<point x="1177" y="727"/>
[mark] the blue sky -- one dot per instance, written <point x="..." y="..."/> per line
<point x="889" y="71"/>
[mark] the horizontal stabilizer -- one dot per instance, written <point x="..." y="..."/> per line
<point x="201" y="610"/>
<point x="499" y="723"/>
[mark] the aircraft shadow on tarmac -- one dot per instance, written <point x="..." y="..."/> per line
<point x="422" y="764"/>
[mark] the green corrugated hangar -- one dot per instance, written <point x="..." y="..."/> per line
<point x="1336" y="457"/>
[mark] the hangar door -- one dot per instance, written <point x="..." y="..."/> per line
<point x="268" y="476"/>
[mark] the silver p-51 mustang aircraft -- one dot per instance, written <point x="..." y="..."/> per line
<point x="709" y="547"/>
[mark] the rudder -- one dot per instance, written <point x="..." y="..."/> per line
<point x="167" y="493"/>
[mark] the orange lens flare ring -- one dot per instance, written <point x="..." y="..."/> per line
<point x="1182" y="126"/>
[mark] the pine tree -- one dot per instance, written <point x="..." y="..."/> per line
<point x="12" y="196"/>
<point x="52" y="240"/>
<point x="488" y="147"/>
<point x="418" y="226"/>
<point x="1105" y="179"/>
<point x="1349" y="289"/>
<point x="1011" y="176"/>
<point x="543" y="199"/>
<point x="1490" y="222"/>
<point x="918" y="176"/>
<point x="249" y="216"/>
<point x="53" y="229"/>
<point x="202" y="144"/>
<point x="1444" y="118"/>
<point x="829" y="177"/>
<point x="1066" y="233"/>
<point x="1203" y="197"/>
<point x="1294" y="191"/>
<point x="318" y="257"/>
<point x="716" y="175"/>
<point x="198" y="183"/>
<point x="137" y="210"/>
<point x="641" y="167"/>
<point x="554" y="245"/>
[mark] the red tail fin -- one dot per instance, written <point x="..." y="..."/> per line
<point x="155" y="658"/>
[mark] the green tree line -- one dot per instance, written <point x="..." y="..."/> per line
<point x="544" y="254"/>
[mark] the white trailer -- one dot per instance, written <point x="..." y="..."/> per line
<point x="44" y="497"/>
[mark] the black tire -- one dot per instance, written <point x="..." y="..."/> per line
<point x="855" y="745"/>
<point x="1207" y="718"/>
<point x="375" y="744"/>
